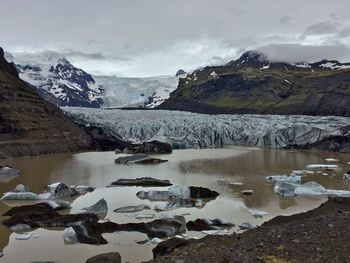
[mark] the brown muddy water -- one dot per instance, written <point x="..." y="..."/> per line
<point x="212" y="168"/>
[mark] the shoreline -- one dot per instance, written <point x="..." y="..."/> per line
<point x="318" y="235"/>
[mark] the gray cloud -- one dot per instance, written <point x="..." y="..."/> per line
<point x="298" y="52"/>
<point x="139" y="38"/>
<point x="322" y="28"/>
<point x="284" y="20"/>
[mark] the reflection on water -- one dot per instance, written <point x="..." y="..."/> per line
<point x="212" y="168"/>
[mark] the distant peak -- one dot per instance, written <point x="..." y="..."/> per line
<point x="253" y="55"/>
<point x="251" y="58"/>
<point x="180" y="72"/>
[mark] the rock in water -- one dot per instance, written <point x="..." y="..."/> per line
<point x="112" y="257"/>
<point x="100" y="208"/>
<point x="138" y="159"/>
<point x="143" y="181"/>
<point x="198" y="225"/>
<point x="132" y="209"/>
<point x="202" y="192"/>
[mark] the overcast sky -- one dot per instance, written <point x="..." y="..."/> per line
<point x="157" y="37"/>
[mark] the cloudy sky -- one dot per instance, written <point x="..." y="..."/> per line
<point x="157" y="37"/>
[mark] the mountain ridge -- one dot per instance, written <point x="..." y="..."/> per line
<point x="57" y="80"/>
<point x="29" y="125"/>
<point x="253" y="84"/>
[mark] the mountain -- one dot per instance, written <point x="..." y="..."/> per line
<point x="136" y="92"/>
<point x="30" y="125"/>
<point x="253" y="84"/>
<point x="57" y="80"/>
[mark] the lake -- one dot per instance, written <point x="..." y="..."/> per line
<point x="216" y="169"/>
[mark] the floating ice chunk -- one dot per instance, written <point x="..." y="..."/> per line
<point x="132" y="209"/>
<point x="156" y="240"/>
<point x="181" y="192"/>
<point x="24" y="236"/>
<point x="257" y="213"/>
<point x="153" y="195"/>
<point x="313" y="188"/>
<point x="8" y="171"/>
<point x="246" y="225"/>
<point x="236" y="183"/>
<point x="100" y="208"/>
<point x="20" y="196"/>
<point x="144" y="216"/>
<point x="322" y="167"/>
<point x="331" y="160"/>
<point x="70" y="236"/>
<point x="83" y="189"/>
<point x="20" y="228"/>
<point x="58" y="205"/>
<point x="285" y="188"/>
<point x="178" y="236"/>
<point x="296" y="179"/>
<point x="210" y="232"/>
<point x="199" y="203"/>
<point x="20" y="189"/>
<point x="310" y="188"/>
<point x="297" y="172"/>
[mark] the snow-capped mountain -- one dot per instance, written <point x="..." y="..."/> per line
<point x="57" y="80"/>
<point x="136" y="92"/>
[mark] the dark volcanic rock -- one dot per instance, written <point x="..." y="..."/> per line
<point x="180" y="72"/>
<point x="29" y="125"/>
<point x="87" y="227"/>
<point x="319" y="235"/>
<point x="143" y="181"/>
<point x="169" y="246"/>
<point x="202" y="192"/>
<point x="43" y="215"/>
<point x="139" y="159"/>
<point x="253" y="84"/>
<point x="198" y="225"/>
<point x="112" y="257"/>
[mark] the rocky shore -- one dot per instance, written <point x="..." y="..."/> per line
<point x="319" y="235"/>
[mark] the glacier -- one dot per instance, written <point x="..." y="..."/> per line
<point x="136" y="92"/>
<point x="194" y="130"/>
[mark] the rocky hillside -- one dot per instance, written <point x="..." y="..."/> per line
<point x="30" y="125"/>
<point x="253" y="84"/>
<point x="57" y="80"/>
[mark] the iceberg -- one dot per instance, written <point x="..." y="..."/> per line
<point x="322" y="167"/>
<point x="285" y="188"/>
<point x="20" y="196"/>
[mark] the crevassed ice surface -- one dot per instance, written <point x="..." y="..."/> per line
<point x="193" y="130"/>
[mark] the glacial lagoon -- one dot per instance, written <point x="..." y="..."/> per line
<point x="227" y="171"/>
